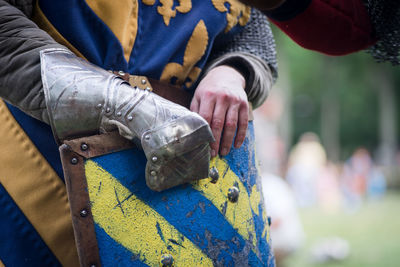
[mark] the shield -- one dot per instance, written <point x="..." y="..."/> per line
<point x="119" y="221"/>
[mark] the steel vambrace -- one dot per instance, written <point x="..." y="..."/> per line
<point x="83" y="99"/>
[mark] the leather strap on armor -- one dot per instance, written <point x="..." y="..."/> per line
<point x="83" y="99"/>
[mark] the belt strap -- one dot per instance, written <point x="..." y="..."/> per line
<point x="168" y="91"/>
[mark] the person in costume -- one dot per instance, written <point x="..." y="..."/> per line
<point x="55" y="58"/>
<point x="339" y="27"/>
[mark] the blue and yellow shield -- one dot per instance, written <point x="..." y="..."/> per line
<point x="119" y="221"/>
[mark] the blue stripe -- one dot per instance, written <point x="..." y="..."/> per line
<point x="20" y="244"/>
<point x="249" y="175"/>
<point x="242" y="161"/>
<point x="114" y="254"/>
<point x="41" y="136"/>
<point x="185" y="208"/>
<point x="86" y="32"/>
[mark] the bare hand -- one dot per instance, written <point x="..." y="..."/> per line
<point x="221" y="100"/>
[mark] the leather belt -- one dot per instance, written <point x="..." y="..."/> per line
<point x="171" y="92"/>
<point x="168" y="91"/>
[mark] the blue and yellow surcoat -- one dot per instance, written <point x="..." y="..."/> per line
<point x="169" y="40"/>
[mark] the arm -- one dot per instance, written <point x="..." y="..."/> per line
<point x="21" y="41"/>
<point x="334" y="27"/>
<point x="241" y="71"/>
<point x="76" y="98"/>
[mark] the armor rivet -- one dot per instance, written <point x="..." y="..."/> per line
<point x="233" y="194"/>
<point x="130" y="118"/>
<point x="121" y="73"/>
<point x="143" y="81"/>
<point x="74" y="161"/>
<point x="176" y="139"/>
<point x="153" y="173"/>
<point x="148" y="88"/>
<point x="147" y="137"/>
<point x="167" y="260"/>
<point x="119" y="113"/>
<point x="108" y="110"/>
<point x="214" y="175"/>
<point x="83" y="213"/>
<point x="154" y="159"/>
<point x="84" y="147"/>
<point x="99" y="105"/>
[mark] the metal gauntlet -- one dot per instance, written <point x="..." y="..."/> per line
<point x="83" y="99"/>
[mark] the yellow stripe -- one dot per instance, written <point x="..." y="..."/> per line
<point x="40" y="19"/>
<point x="238" y="214"/>
<point x="122" y="19"/>
<point x="36" y="189"/>
<point x="133" y="223"/>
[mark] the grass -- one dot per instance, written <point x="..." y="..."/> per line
<point x="373" y="233"/>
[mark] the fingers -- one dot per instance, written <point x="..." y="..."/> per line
<point x="217" y="124"/>
<point x="229" y="129"/>
<point x="206" y="108"/>
<point x="221" y="100"/>
<point x="194" y="105"/>
<point x="242" y="125"/>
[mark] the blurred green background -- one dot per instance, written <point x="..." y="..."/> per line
<point x="372" y="233"/>
<point x="349" y="102"/>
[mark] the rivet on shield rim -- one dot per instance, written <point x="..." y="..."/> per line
<point x="154" y="159"/>
<point x="214" y="175"/>
<point x="130" y="118"/>
<point x="167" y="260"/>
<point x="99" y="106"/>
<point x="147" y="137"/>
<point x="84" y="147"/>
<point x="74" y="161"/>
<point x="119" y="113"/>
<point x="83" y="213"/>
<point x="233" y="194"/>
<point x="153" y="173"/>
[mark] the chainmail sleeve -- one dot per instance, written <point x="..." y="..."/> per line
<point x="251" y="52"/>
<point x="385" y="18"/>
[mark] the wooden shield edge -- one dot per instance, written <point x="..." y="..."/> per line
<point x="73" y="155"/>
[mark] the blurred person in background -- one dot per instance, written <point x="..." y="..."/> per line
<point x="286" y="228"/>
<point x="328" y="191"/>
<point x="360" y="179"/>
<point x="306" y="162"/>
<point x="271" y="150"/>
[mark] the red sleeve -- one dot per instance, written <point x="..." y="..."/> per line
<point x="334" y="27"/>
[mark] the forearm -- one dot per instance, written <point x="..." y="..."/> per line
<point x="334" y="27"/>
<point x="252" y="53"/>
<point x="20" y="74"/>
